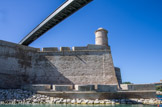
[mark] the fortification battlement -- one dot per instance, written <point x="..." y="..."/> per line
<point x="87" y="48"/>
<point x="101" y="44"/>
<point x="17" y="46"/>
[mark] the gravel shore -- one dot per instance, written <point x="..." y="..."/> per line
<point x="18" y="96"/>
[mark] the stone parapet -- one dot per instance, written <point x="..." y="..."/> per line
<point x="84" y="87"/>
<point x="98" y="47"/>
<point x="79" y="48"/>
<point x="62" y="87"/>
<point x="87" y="48"/>
<point x="37" y="87"/>
<point x="107" y="88"/>
<point x="132" y="87"/>
<point x="65" y="49"/>
<point x="17" y="46"/>
<point x="50" y="49"/>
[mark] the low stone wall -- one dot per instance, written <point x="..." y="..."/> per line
<point x="51" y="87"/>
<point x="50" y="49"/>
<point x="100" y="95"/>
<point x="132" y="87"/>
<point x="62" y="87"/>
<point x="107" y="88"/>
<point x="37" y="87"/>
<point x="84" y="87"/>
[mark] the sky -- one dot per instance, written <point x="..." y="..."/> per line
<point x="135" y="31"/>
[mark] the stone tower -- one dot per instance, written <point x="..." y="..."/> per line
<point x="101" y="37"/>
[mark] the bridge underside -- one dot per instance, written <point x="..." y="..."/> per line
<point x="61" y="13"/>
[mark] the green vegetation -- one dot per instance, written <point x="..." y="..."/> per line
<point x="127" y="83"/>
<point x="159" y="88"/>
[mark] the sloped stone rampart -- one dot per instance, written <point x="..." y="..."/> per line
<point x="20" y="65"/>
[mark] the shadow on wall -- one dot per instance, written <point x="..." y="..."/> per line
<point x="21" y="65"/>
<point x="80" y="59"/>
<point x="45" y="72"/>
<point x="10" y="81"/>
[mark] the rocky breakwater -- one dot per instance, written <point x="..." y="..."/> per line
<point x="18" y="96"/>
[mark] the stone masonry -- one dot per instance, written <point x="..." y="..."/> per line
<point x="21" y="65"/>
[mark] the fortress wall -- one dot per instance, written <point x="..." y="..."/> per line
<point x="20" y="65"/>
<point x="75" y="68"/>
<point x="15" y="60"/>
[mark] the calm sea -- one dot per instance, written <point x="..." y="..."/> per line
<point x="159" y="96"/>
<point x="77" y="105"/>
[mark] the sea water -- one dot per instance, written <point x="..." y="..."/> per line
<point x="121" y="105"/>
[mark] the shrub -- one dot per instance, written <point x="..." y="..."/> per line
<point x="159" y="88"/>
<point x="126" y="83"/>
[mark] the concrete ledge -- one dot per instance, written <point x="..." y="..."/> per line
<point x="107" y="88"/>
<point x="37" y="87"/>
<point x="64" y="48"/>
<point x="62" y="87"/>
<point x="84" y="87"/>
<point x="54" y="49"/>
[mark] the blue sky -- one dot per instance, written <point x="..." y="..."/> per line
<point x="135" y="31"/>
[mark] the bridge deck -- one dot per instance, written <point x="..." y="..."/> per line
<point x="61" y="13"/>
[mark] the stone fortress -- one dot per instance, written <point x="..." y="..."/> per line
<point x="81" y="65"/>
<point x="50" y="71"/>
<point x="77" y="72"/>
